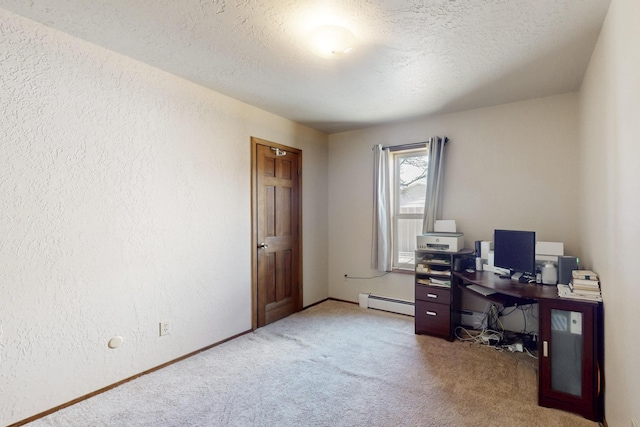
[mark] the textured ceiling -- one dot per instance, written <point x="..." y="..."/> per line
<point x="413" y="58"/>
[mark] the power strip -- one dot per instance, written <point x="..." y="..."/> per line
<point x="517" y="347"/>
<point x="490" y="340"/>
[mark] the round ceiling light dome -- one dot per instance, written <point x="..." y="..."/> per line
<point x="331" y="41"/>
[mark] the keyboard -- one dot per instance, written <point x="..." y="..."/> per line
<point x="481" y="290"/>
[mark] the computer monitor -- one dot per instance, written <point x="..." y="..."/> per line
<point x="515" y="250"/>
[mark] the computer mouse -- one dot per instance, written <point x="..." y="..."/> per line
<point x="470" y="270"/>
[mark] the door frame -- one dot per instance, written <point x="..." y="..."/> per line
<point x="254" y="226"/>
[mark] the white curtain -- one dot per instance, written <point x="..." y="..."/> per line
<point x="381" y="251"/>
<point x="435" y="147"/>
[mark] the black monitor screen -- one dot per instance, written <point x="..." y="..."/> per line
<point x="515" y="250"/>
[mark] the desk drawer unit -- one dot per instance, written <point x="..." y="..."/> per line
<point x="433" y="319"/>
<point x="433" y="294"/>
<point x="433" y="281"/>
<point x="433" y="275"/>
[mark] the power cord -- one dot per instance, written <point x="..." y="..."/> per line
<point x="346" y="276"/>
<point x="485" y="336"/>
<point x="492" y="332"/>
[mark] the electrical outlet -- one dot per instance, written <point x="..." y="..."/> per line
<point x="165" y="328"/>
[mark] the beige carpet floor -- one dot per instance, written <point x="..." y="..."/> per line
<point x="333" y="364"/>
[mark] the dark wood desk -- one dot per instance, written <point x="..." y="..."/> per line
<point x="531" y="291"/>
<point x="570" y="340"/>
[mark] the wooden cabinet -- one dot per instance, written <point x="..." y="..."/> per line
<point x="570" y="357"/>
<point x="433" y="312"/>
<point x="433" y="276"/>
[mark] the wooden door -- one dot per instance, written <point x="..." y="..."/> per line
<point x="277" y="260"/>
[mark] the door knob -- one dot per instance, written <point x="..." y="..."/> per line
<point x="263" y="246"/>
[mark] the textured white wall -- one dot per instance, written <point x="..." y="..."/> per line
<point x="512" y="166"/>
<point x="610" y="205"/>
<point x="125" y="196"/>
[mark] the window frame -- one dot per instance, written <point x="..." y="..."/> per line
<point x="396" y="157"/>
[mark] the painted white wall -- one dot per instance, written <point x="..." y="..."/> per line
<point x="125" y="201"/>
<point x="513" y="166"/>
<point x="610" y="201"/>
<point x="125" y="195"/>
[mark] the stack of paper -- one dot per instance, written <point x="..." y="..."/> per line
<point x="584" y="286"/>
<point x="437" y="282"/>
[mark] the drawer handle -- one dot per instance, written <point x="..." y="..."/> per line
<point x="432" y="296"/>
<point x="431" y="313"/>
<point x="545" y="348"/>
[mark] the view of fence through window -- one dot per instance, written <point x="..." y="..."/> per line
<point x="410" y="191"/>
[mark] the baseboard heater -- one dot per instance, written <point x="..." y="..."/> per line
<point x="393" y="305"/>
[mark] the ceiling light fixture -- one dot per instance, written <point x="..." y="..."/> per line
<point x="331" y="41"/>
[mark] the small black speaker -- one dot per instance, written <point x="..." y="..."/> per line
<point x="478" y="248"/>
<point x="566" y="264"/>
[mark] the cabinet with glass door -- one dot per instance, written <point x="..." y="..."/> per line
<point x="570" y="357"/>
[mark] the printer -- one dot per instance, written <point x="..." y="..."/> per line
<point x="439" y="241"/>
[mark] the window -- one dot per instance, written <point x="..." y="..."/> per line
<point x="409" y="179"/>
